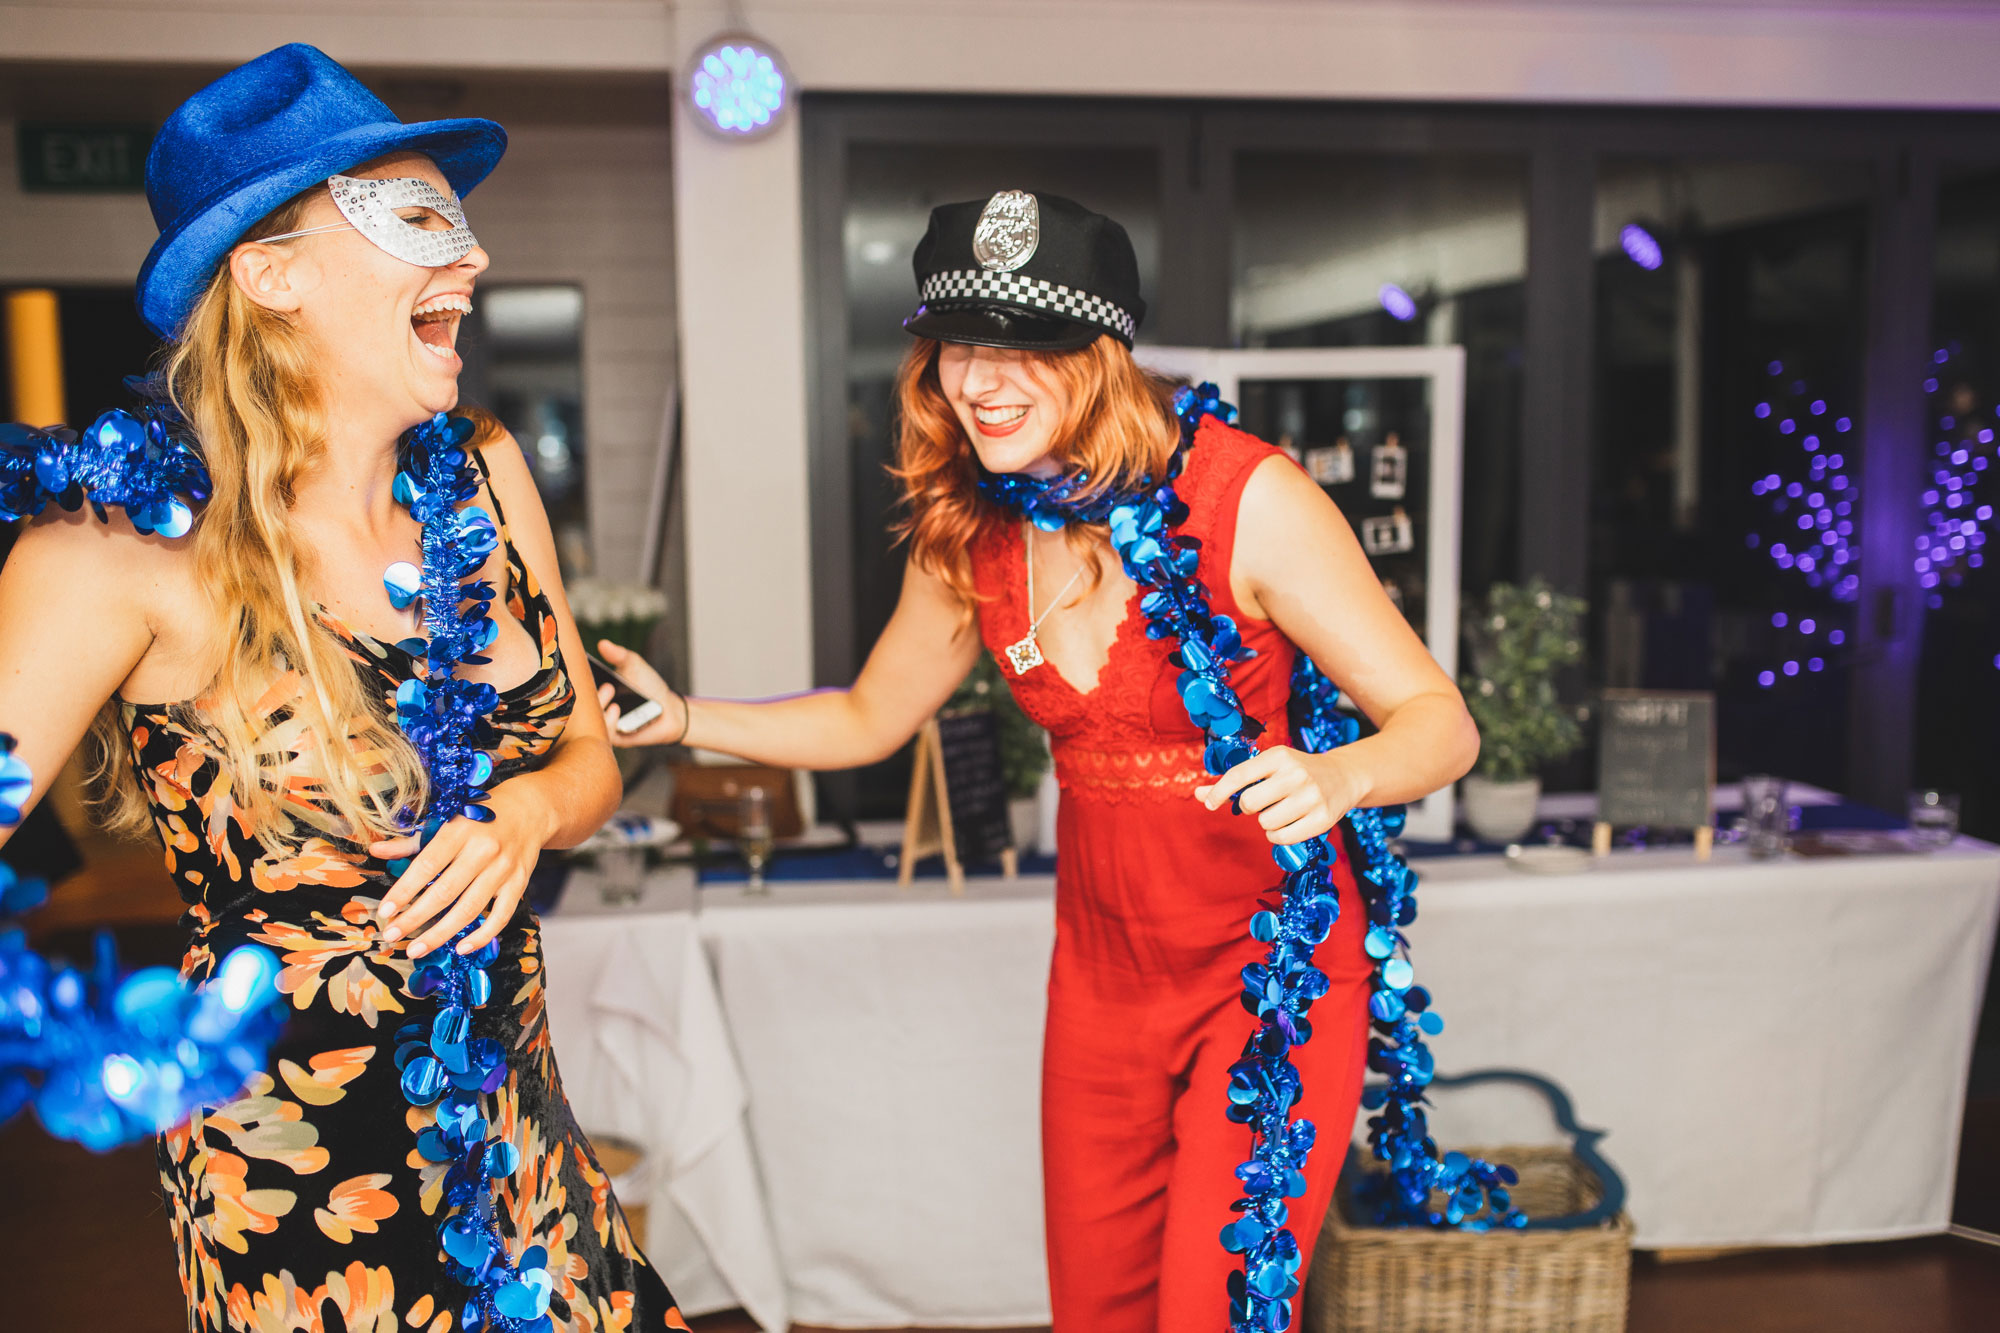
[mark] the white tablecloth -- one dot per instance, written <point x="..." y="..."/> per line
<point x="1777" y="1050"/>
<point x="645" y="1055"/>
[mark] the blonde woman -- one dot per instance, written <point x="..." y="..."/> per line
<point x="311" y="271"/>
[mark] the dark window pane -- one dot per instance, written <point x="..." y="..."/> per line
<point x="1730" y="320"/>
<point x="1958" y="698"/>
<point x="1374" y="249"/>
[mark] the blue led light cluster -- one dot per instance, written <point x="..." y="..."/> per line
<point x="738" y="87"/>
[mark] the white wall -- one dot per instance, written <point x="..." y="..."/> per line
<point x="742" y="304"/>
<point x="594" y="206"/>
<point x="735" y="208"/>
<point x="1930" y="53"/>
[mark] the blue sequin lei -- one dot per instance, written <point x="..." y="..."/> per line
<point x="1264" y="1085"/>
<point x="448" y="720"/>
<point x="140" y="462"/>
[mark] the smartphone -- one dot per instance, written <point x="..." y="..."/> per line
<point x="635" y="710"/>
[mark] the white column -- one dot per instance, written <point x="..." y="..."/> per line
<point x="740" y="242"/>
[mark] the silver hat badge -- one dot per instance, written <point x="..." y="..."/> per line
<point x="1010" y="227"/>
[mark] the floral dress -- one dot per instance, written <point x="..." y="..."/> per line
<point x="304" y="1203"/>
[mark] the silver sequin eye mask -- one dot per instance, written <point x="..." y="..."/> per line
<point x="370" y="208"/>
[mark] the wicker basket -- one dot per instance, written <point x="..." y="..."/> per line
<point x="1412" y="1280"/>
<point x="624" y="1161"/>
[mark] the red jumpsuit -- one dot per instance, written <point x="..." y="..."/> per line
<point x="1153" y="897"/>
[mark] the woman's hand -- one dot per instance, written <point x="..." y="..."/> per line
<point x="669" y="728"/>
<point x="1294" y="795"/>
<point x="469" y="868"/>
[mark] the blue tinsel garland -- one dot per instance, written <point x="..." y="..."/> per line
<point x="1264" y="1085"/>
<point x="108" y="1056"/>
<point x="140" y="462"/>
<point x="447" y="719"/>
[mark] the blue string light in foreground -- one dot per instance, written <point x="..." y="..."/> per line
<point x="105" y="1056"/>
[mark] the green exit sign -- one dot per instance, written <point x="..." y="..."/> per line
<point x="84" y="158"/>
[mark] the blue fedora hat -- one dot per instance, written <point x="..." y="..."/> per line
<point x="259" y="135"/>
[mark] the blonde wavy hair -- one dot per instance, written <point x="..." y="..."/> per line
<point x="243" y="378"/>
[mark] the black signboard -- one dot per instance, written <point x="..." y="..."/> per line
<point x="975" y="785"/>
<point x="84" y="159"/>
<point x="1656" y="759"/>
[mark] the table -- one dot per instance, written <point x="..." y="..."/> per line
<point x="645" y="1055"/>
<point x="1778" y="1051"/>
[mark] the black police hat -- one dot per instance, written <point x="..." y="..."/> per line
<point x="1024" y="270"/>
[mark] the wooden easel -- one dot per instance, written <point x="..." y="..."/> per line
<point x="1704" y="840"/>
<point x="927" y="821"/>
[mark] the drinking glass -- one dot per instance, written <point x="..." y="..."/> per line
<point x="1933" y="818"/>
<point x="1766" y="817"/>
<point x="753" y="836"/>
<point x="621" y="875"/>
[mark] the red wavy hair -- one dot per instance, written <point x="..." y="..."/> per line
<point x="1118" y="426"/>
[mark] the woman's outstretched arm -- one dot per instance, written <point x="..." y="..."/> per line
<point x="1298" y="564"/>
<point x="921" y="657"/>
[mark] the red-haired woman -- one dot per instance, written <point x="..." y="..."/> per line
<point x="1021" y="394"/>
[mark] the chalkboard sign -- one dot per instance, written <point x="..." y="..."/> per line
<point x="1656" y="759"/>
<point x="975" y="785"/>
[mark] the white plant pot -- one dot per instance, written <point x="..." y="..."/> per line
<point x="1024" y="816"/>
<point x="1500" y="812"/>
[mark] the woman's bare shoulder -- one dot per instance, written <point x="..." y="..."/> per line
<point x="103" y="564"/>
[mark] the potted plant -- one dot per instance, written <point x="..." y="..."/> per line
<point x="1024" y="747"/>
<point x="1517" y="640"/>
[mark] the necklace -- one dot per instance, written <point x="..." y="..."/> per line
<point x="1026" y="654"/>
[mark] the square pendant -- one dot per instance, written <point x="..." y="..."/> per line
<point x="1024" y="656"/>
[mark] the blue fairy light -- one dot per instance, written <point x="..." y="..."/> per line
<point x="738" y="87"/>
<point x="1264" y="1085"/>
<point x="1817" y="509"/>
<point x="1640" y="246"/>
<point x="1954" y="519"/>
<point x="1399" y="303"/>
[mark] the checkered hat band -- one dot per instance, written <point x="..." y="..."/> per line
<point x="969" y="284"/>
